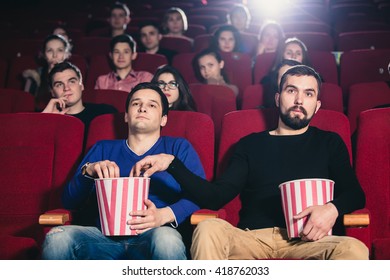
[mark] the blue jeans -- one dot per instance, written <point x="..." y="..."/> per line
<point x="82" y="243"/>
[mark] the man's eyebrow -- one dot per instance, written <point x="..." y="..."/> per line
<point x="150" y="100"/>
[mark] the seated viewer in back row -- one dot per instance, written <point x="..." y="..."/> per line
<point x="123" y="51"/>
<point x="260" y="163"/>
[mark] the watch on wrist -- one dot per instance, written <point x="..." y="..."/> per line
<point x="84" y="169"/>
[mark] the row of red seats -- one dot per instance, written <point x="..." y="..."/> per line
<point x="354" y="67"/>
<point x="216" y="101"/>
<point x="55" y="144"/>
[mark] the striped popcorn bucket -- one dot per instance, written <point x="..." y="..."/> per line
<point x="116" y="198"/>
<point x="297" y="195"/>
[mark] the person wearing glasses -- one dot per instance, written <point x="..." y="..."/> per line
<point x="175" y="88"/>
<point x="123" y="50"/>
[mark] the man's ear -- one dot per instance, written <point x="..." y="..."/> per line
<point x="160" y="36"/>
<point x="164" y="120"/>
<point x="134" y="56"/>
<point x="221" y="64"/>
<point x="318" y="105"/>
<point x="126" y="118"/>
<point x="277" y="99"/>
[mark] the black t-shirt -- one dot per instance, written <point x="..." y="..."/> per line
<point x="91" y="111"/>
<point x="262" y="161"/>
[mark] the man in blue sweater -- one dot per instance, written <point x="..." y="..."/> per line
<point x="157" y="236"/>
<point x="261" y="161"/>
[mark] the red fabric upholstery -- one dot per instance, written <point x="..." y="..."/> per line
<point x="253" y="97"/>
<point x="91" y="46"/>
<point x="3" y="71"/>
<point x="363" y="66"/>
<point x="14" y="101"/>
<point x="215" y="101"/>
<point x="149" y="62"/>
<point x="202" y="42"/>
<point x="348" y="41"/>
<point x="238" y="67"/>
<point x="373" y="170"/>
<point x="41" y="151"/>
<point x="319" y="41"/>
<point x="116" y="98"/>
<point x="195" y="30"/>
<point x="18" y="248"/>
<point x="98" y="65"/>
<point x="196" y="127"/>
<point x="183" y="63"/>
<point x="178" y="44"/>
<point x="364" y="96"/>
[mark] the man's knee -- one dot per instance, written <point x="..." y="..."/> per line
<point x="211" y="227"/>
<point x="167" y="243"/>
<point x="351" y="249"/>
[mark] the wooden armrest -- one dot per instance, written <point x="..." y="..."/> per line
<point x="356" y="220"/>
<point x="196" y="218"/>
<point x="54" y="218"/>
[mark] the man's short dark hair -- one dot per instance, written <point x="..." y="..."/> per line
<point x="155" y="24"/>
<point x="123" y="38"/>
<point x="300" y="70"/>
<point x="61" y="67"/>
<point x="152" y="86"/>
<point x="122" y="6"/>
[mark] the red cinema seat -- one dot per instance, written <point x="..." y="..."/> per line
<point x="15" y="101"/>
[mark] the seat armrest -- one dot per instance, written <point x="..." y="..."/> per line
<point x="204" y="214"/>
<point x="359" y="218"/>
<point x="55" y="217"/>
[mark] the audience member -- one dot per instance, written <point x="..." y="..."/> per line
<point x="240" y="17"/>
<point x="66" y="85"/>
<point x="55" y="49"/>
<point x="260" y="163"/>
<point x="271" y="82"/>
<point x="123" y="50"/>
<point x="292" y="49"/>
<point x="158" y="227"/>
<point x="175" y="23"/>
<point x="226" y="39"/>
<point x="150" y="38"/>
<point x="175" y="88"/>
<point x="119" y="19"/>
<point x="271" y="37"/>
<point x="209" y="69"/>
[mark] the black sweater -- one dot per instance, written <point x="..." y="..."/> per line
<point x="261" y="162"/>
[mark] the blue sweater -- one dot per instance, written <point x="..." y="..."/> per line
<point x="164" y="189"/>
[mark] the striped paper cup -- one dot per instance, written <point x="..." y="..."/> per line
<point x="297" y="195"/>
<point x="116" y="198"/>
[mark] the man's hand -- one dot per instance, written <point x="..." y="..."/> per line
<point x="56" y="106"/>
<point x="150" y="218"/>
<point x="321" y="219"/>
<point x="103" y="169"/>
<point x="151" y="164"/>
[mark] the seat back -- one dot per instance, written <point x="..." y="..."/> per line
<point x="42" y="152"/>
<point x="373" y="171"/>
<point x="364" y="96"/>
<point x="99" y="65"/>
<point x="196" y="127"/>
<point x="15" y="101"/>
<point x="348" y="41"/>
<point x="91" y="46"/>
<point x="214" y="101"/>
<point x="116" y="98"/>
<point x="238" y="124"/>
<point x="363" y="66"/>
<point x="3" y="71"/>
<point x="177" y="44"/>
<point x="149" y="62"/>
<point x="183" y="63"/>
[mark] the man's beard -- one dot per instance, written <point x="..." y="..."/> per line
<point x="295" y="122"/>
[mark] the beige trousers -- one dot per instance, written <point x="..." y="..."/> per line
<point x="216" y="239"/>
